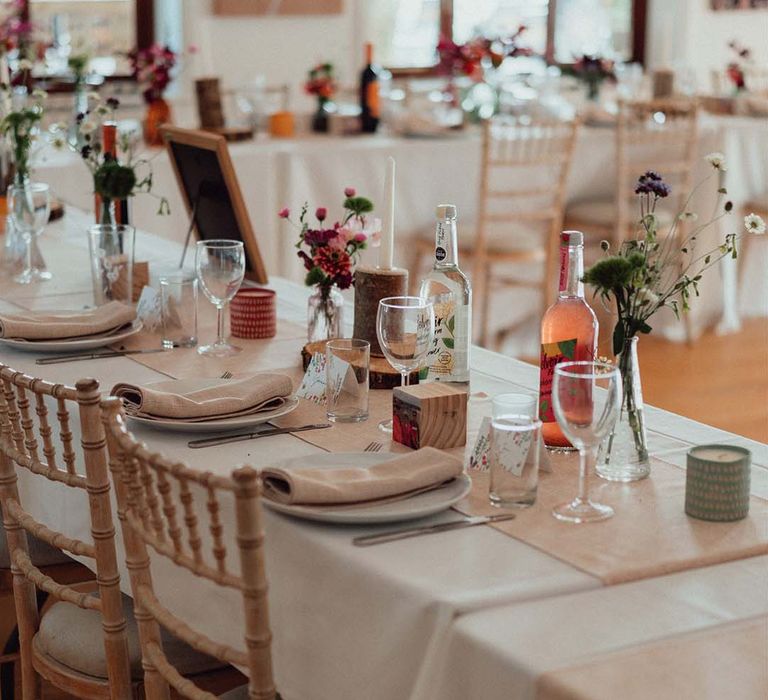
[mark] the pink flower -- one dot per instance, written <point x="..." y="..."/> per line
<point x="321" y="213"/>
<point x="349" y="191"/>
<point x="360" y="238"/>
<point x="193" y="48"/>
<point x="284" y="213"/>
<point x="339" y="242"/>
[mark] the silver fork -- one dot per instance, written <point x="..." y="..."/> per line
<point x="226" y="375"/>
<point x="373" y="447"/>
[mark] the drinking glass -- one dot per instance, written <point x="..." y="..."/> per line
<point x="220" y="265"/>
<point x="513" y="456"/>
<point x="405" y="327"/>
<point x="30" y="207"/>
<point x="586" y="398"/>
<point x="514" y="403"/>
<point x="178" y="309"/>
<point x="111" y="248"/>
<point x="346" y="388"/>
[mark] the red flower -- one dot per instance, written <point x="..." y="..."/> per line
<point x="349" y="191"/>
<point x="284" y="213"/>
<point x="321" y="213"/>
<point x="332" y="261"/>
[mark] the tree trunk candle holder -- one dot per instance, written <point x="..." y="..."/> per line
<point x="209" y="106"/>
<point x="371" y="286"/>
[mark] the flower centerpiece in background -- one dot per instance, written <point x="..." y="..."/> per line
<point x="735" y="69"/>
<point x="321" y="82"/>
<point x="20" y="125"/>
<point x="593" y="71"/>
<point x="646" y="274"/>
<point x="478" y="59"/>
<point x="15" y="43"/>
<point x="152" y="68"/>
<point x="329" y="254"/>
<point x="115" y="178"/>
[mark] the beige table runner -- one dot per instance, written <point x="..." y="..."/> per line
<point x="728" y="661"/>
<point x="650" y="534"/>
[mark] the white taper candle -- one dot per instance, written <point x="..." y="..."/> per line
<point x="386" y="256"/>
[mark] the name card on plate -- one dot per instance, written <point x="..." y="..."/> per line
<point x="313" y="384"/>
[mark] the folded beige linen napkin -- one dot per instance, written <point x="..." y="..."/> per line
<point x="399" y="477"/>
<point x="198" y="400"/>
<point x="53" y="325"/>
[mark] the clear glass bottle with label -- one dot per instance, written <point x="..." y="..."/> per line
<point x="448" y="288"/>
<point x="568" y="332"/>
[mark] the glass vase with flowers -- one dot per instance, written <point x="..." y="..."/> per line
<point x="652" y="271"/>
<point x="321" y="82"/>
<point x="329" y="255"/>
<point x="593" y="71"/>
<point x="118" y="174"/>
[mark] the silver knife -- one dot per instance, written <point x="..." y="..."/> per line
<point x="394" y="535"/>
<point x="94" y="356"/>
<point x="225" y="439"/>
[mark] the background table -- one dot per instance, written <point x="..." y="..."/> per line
<point x="315" y="169"/>
<point x="385" y="622"/>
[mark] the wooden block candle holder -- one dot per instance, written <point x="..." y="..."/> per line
<point x="372" y="284"/>
<point x="429" y="415"/>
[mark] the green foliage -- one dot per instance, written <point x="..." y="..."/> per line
<point x="314" y="276"/>
<point x="358" y="205"/>
<point x="114" y="181"/>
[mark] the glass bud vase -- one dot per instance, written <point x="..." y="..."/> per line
<point x="623" y="455"/>
<point x="325" y="311"/>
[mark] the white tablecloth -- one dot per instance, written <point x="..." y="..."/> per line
<point x="353" y="623"/>
<point x="315" y="169"/>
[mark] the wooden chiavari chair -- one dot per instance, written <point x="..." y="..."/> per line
<point x="659" y="135"/>
<point x="25" y="423"/>
<point x="525" y="165"/>
<point x="84" y="644"/>
<point x="157" y="509"/>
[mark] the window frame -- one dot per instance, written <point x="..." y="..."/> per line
<point x="637" y="30"/>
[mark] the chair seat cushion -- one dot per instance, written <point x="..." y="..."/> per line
<point x="73" y="637"/>
<point x="602" y="212"/>
<point x="41" y="553"/>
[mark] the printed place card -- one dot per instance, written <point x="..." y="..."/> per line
<point x="478" y="460"/>
<point x="313" y="384"/>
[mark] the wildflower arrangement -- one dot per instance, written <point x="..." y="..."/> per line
<point x="467" y="59"/>
<point x="593" y="71"/>
<point x="735" y="69"/>
<point x="651" y="272"/>
<point x="321" y="82"/>
<point x="78" y="64"/>
<point x="329" y="253"/>
<point x="20" y="126"/>
<point x="152" y="68"/>
<point x="113" y="178"/>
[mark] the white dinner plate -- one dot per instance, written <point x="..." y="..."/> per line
<point x="72" y="344"/>
<point x="418" y="506"/>
<point x="217" y="425"/>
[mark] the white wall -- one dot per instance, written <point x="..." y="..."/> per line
<point x="282" y="48"/>
<point x="687" y="33"/>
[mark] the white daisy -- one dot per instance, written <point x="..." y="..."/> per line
<point x="87" y="127"/>
<point x="645" y="297"/>
<point x="58" y="143"/>
<point x="716" y="160"/>
<point x="754" y="224"/>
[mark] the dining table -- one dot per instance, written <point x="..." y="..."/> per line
<point x="651" y="603"/>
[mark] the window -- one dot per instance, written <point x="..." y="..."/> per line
<point x="108" y="29"/>
<point x="406" y="31"/>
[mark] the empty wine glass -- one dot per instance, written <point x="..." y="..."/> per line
<point x="30" y="207"/>
<point x="586" y="397"/>
<point x="405" y="327"/>
<point x="220" y="266"/>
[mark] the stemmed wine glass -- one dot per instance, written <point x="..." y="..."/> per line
<point x="30" y="207"/>
<point x="586" y="398"/>
<point x="405" y="327"/>
<point x="220" y="266"/>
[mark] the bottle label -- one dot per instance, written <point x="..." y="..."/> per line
<point x="447" y="359"/>
<point x="551" y="355"/>
<point x="372" y="98"/>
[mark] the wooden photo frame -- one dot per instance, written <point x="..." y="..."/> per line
<point x="211" y="192"/>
